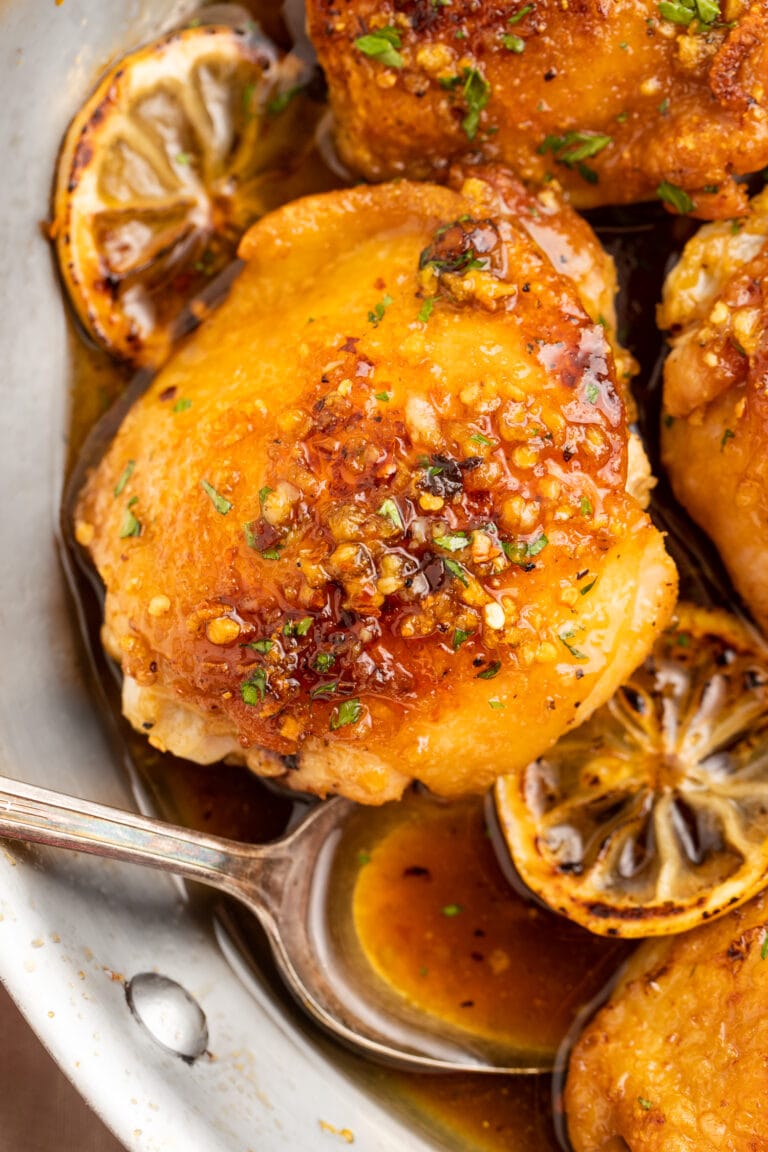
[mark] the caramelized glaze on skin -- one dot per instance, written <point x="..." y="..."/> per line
<point x="675" y="1061"/>
<point x="715" y="429"/>
<point x="347" y="445"/>
<point x="687" y="105"/>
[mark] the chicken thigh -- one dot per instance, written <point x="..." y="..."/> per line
<point x="620" y="101"/>
<point x="370" y="523"/>
<point x="715" y="426"/>
<point x="675" y="1061"/>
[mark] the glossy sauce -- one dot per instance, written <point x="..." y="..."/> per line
<point x="433" y="909"/>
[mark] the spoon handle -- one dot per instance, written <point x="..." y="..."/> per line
<point x="35" y="814"/>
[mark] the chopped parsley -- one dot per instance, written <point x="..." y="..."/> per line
<point x="272" y="553"/>
<point x="182" y="405"/>
<point x="588" y="587"/>
<point x="685" y="11"/>
<point x="513" y="43"/>
<point x="326" y="689"/>
<point x="426" y="309"/>
<point x="129" y="525"/>
<point x="565" y="638"/>
<point x="254" y="689"/>
<point x="324" y="661"/>
<point x="382" y="45"/>
<point x="585" y="506"/>
<point x="478" y="438"/>
<point x="348" y="712"/>
<point x="592" y="392"/>
<point x="127" y="473"/>
<point x="298" y="627"/>
<point x="262" y="646"/>
<point x="377" y="315"/>
<point x="264" y="492"/>
<point x="452" y="542"/>
<point x="456" y="571"/>
<point x="220" y="503"/>
<point x="385" y="397"/>
<point x="495" y="703"/>
<point x="452" y="910"/>
<point x="676" y="197"/>
<point x="572" y="149"/>
<point x="459" y="637"/>
<point x="521" y="551"/>
<point x="518" y="16"/>
<point x="183" y="158"/>
<point x="727" y="435"/>
<point x="475" y="91"/>
<point x="280" y="102"/>
<point x="492" y="670"/>
<point x="390" y="511"/>
<point x="645" y="1104"/>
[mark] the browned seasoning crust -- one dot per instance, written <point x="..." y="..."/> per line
<point x="648" y="100"/>
<point x="373" y="517"/>
<point x="675" y="1061"/>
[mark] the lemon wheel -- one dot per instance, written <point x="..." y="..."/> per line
<point x="653" y="815"/>
<point x="183" y="144"/>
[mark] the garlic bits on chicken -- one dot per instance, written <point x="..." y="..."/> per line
<point x="370" y="524"/>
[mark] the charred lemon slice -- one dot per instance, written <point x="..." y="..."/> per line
<point x="181" y="147"/>
<point x="653" y="815"/>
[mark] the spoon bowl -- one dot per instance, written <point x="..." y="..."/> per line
<point x="286" y="885"/>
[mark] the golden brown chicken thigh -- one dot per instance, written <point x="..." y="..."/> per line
<point x="370" y="523"/>
<point x="675" y="1061"/>
<point x="715" y="427"/>
<point x="620" y="100"/>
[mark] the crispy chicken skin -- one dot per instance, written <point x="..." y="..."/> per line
<point x="509" y="81"/>
<point x="715" y="427"/>
<point x="675" y="1061"/>
<point x="370" y="523"/>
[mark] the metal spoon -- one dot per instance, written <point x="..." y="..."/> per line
<point x="287" y="885"/>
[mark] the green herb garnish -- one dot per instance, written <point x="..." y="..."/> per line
<point x="324" y="661"/>
<point x="262" y="646"/>
<point x="459" y="636"/>
<point x="280" y="102"/>
<point x="727" y="435"/>
<point x="478" y="438"/>
<point x="676" y="197"/>
<point x="264" y="492"/>
<point x="585" y="506"/>
<point x="513" y="43"/>
<point x="377" y="315"/>
<point x="645" y="1104"/>
<point x="254" y="689"/>
<point x="495" y="703"/>
<point x="518" y="16"/>
<point x="685" y="11"/>
<point x="764" y="948"/>
<point x="385" y="397"/>
<point x="426" y="309"/>
<point x="592" y="392"/>
<point x="456" y="570"/>
<point x="127" y="473"/>
<point x="565" y="638"/>
<point x="327" y="689"/>
<point x="382" y="46"/>
<point x="452" y="910"/>
<point x="348" y="712"/>
<point x="182" y="405"/>
<point x="390" y="511"/>
<point x="492" y="670"/>
<point x="452" y="542"/>
<point x="129" y="525"/>
<point x="221" y="504"/>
